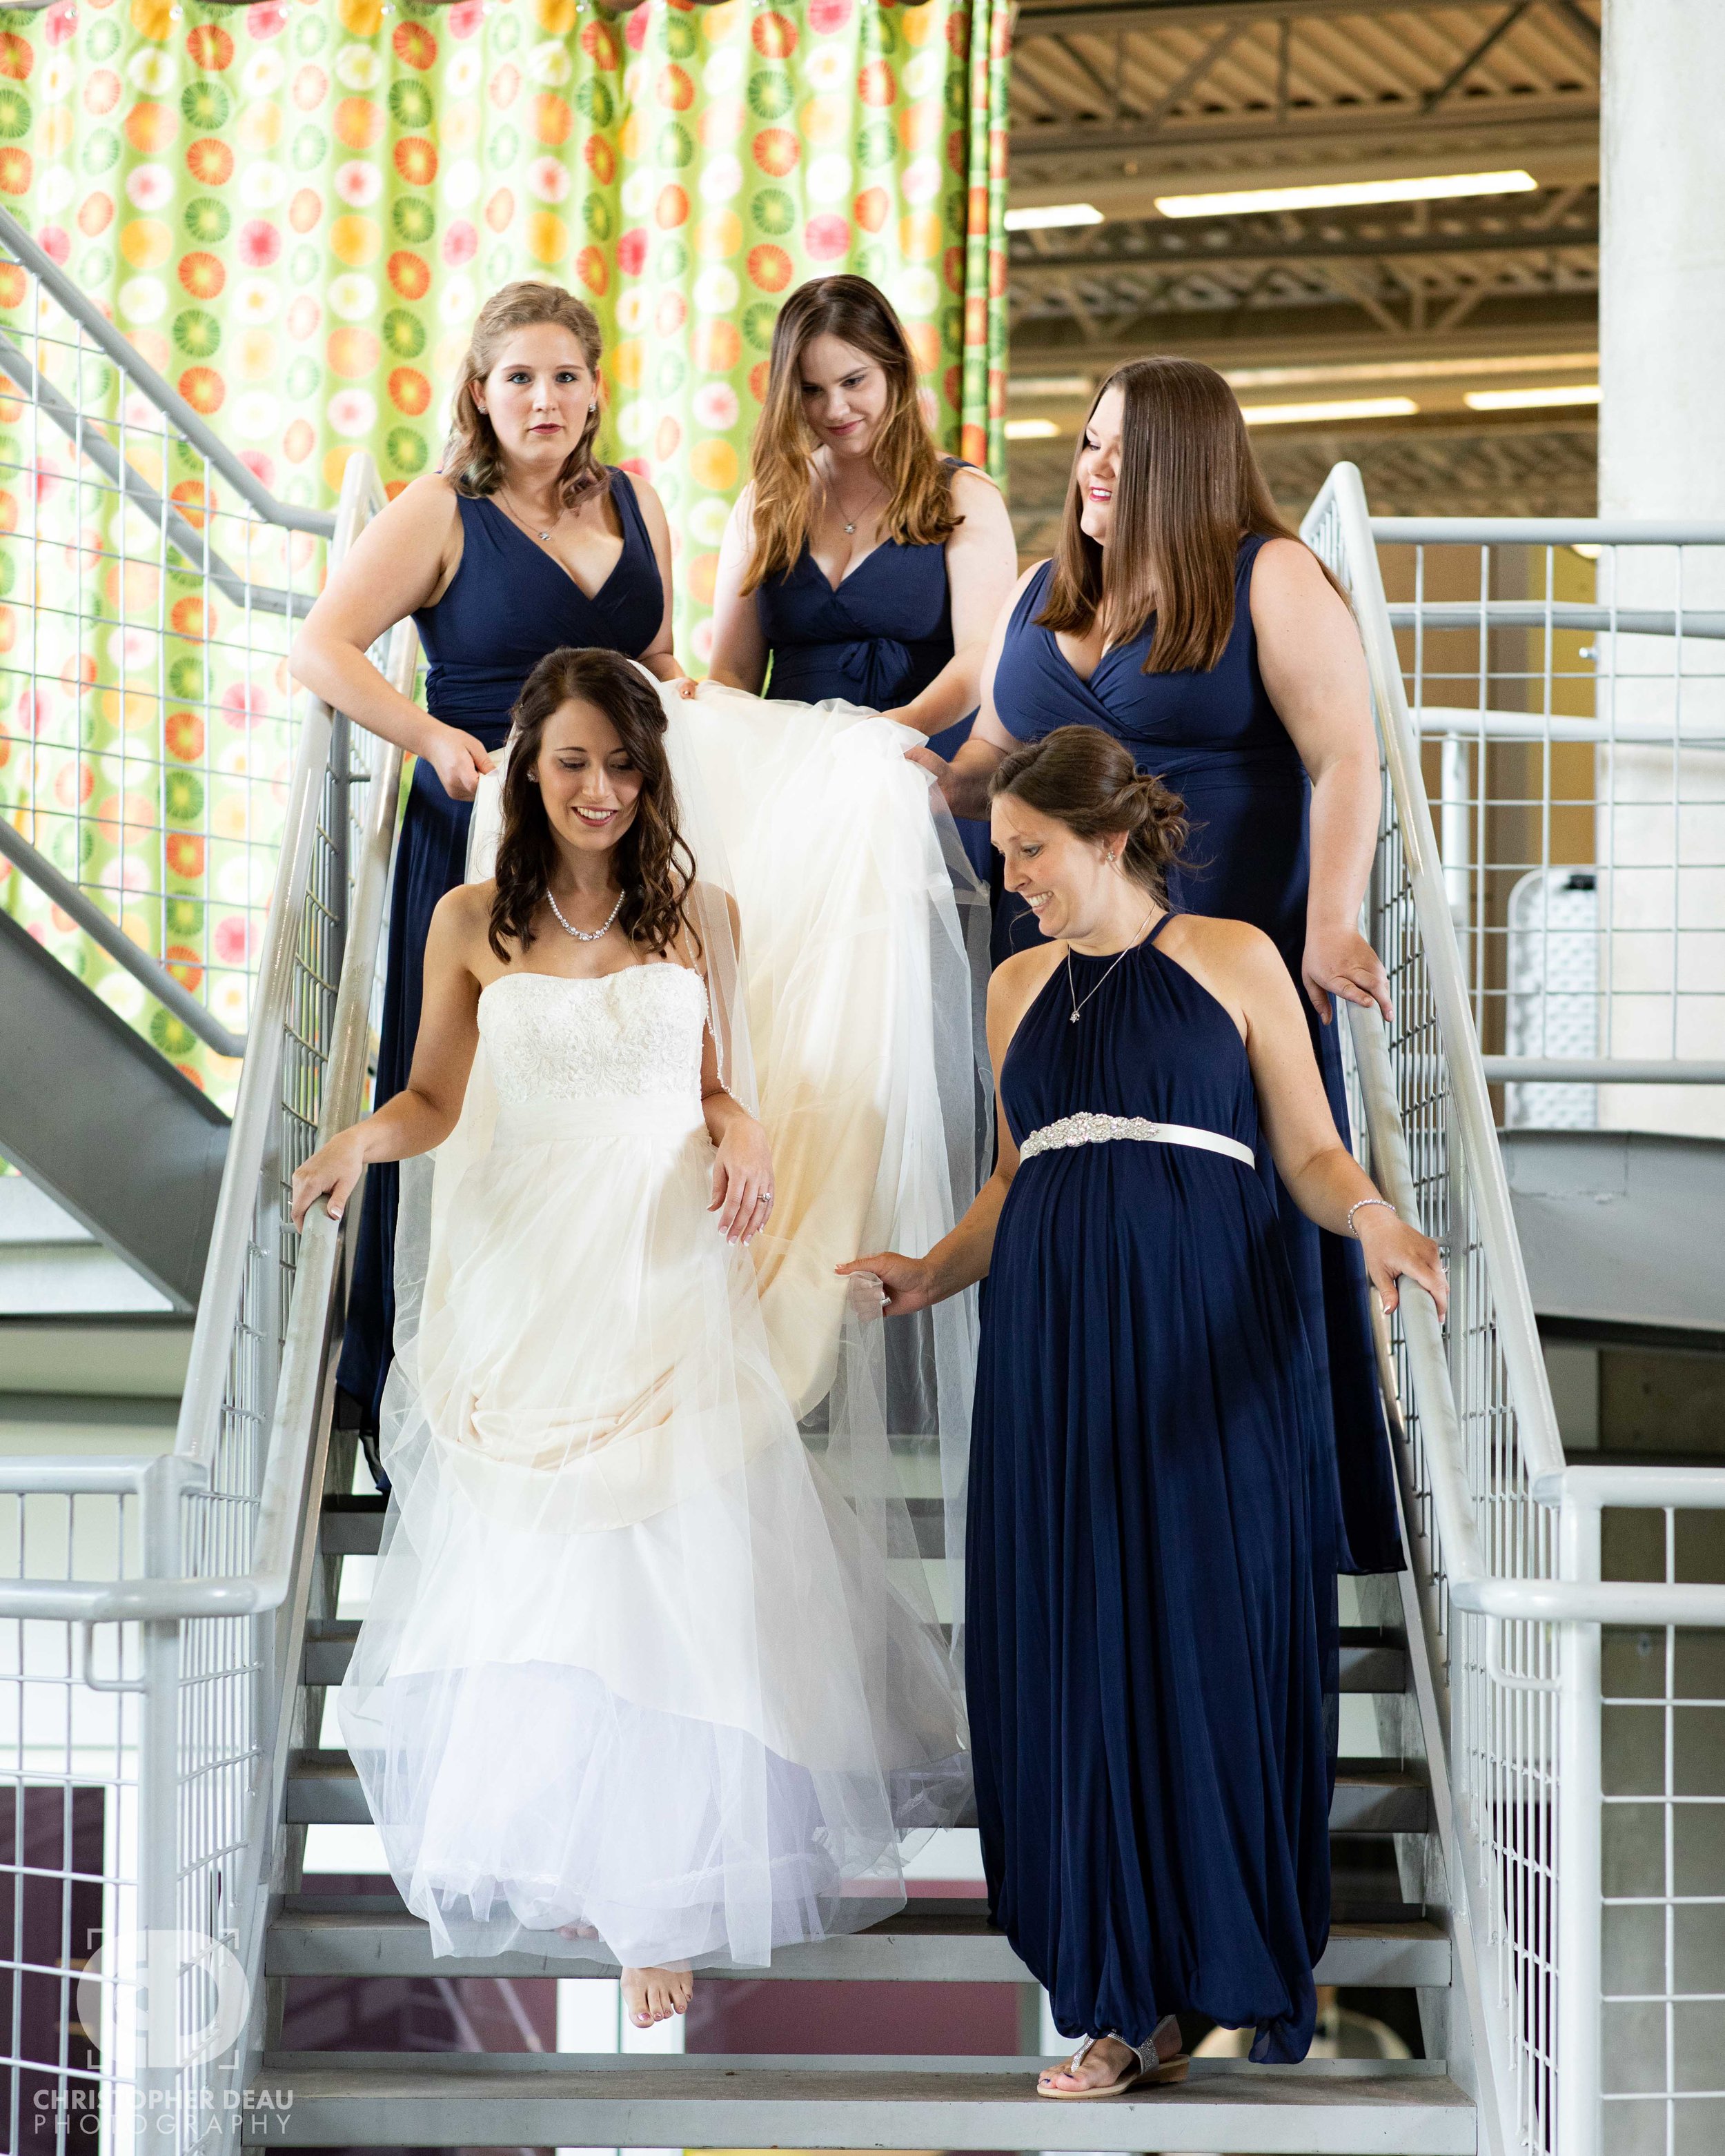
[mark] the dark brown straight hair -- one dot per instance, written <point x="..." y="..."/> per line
<point x="653" y="865"/>
<point x="1087" y="780"/>
<point x="919" y="510"/>
<point x="1189" y="490"/>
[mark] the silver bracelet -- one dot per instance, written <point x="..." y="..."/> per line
<point x="1358" y="1203"/>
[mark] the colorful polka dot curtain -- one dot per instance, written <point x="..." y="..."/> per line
<point x="293" y="211"/>
<point x="295" y="208"/>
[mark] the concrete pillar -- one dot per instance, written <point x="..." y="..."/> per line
<point x="1662" y="455"/>
<point x="1661" y="260"/>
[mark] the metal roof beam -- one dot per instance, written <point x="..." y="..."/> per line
<point x="1065" y="20"/>
<point x="1183" y="261"/>
<point x="1518" y="130"/>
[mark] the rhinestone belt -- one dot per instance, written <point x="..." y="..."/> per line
<point x="1096" y="1130"/>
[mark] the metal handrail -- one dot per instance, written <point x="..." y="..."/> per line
<point x="264" y="1586"/>
<point x="1546" y="531"/>
<point x="131" y="362"/>
<point x="1602" y="1070"/>
<point x="223" y="1274"/>
<point x="1471" y="1103"/>
<point x="119" y="946"/>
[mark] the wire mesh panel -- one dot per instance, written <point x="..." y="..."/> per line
<point x="152" y="1773"/>
<point x="1568" y="693"/>
<point x="1502" y="1691"/>
<point x="1663" y="2029"/>
<point x="69" y="1810"/>
<point x="1560" y="701"/>
<point x="149" y="588"/>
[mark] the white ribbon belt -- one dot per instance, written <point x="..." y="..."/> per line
<point x="1097" y="1129"/>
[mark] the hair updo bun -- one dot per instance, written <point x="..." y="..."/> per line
<point x="1087" y="780"/>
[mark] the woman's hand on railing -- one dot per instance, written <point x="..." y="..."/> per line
<point x="1393" y="1252"/>
<point x="460" y="760"/>
<point x="1339" y="961"/>
<point x="330" y="1174"/>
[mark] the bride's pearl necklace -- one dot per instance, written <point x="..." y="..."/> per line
<point x="585" y="935"/>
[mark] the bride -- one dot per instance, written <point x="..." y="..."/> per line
<point x="650" y="1672"/>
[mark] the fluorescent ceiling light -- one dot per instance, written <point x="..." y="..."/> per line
<point x="1031" y="430"/>
<point x="1050" y="215"/>
<point x="1352" y="407"/>
<point x="1529" y="400"/>
<point x="1341" y="194"/>
<point x="1048" y="385"/>
<point x="1411" y="370"/>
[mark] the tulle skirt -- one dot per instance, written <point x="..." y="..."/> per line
<point x="634" y="1662"/>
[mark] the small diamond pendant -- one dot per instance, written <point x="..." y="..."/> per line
<point x="1073" y="1020"/>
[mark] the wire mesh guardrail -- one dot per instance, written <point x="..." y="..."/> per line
<point x="142" y="1667"/>
<point x="1566" y="684"/>
<point x="149" y="587"/>
<point x="1547" y="1804"/>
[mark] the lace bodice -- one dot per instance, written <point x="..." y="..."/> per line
<point x="624" y="1035"/>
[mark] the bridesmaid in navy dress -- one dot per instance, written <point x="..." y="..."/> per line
<point x="1255" y="709"/>
<point x="859" y="562"/>
<point x="523" y="542"/>
<point x="1152" y="1544"/>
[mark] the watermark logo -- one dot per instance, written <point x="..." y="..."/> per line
<point x="170" y="1999"/>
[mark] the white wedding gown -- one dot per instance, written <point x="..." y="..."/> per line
<point x="643" y="1658"/>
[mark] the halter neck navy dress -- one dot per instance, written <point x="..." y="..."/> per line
<point x="507" y="606"/>
<point x="878" y="639"/>
<point x="1216" y="739"/>
<point x="1150" y="1554"/>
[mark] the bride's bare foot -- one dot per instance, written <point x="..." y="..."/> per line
<point x="655" y="1994"/>
<point x="577" y="1932"/>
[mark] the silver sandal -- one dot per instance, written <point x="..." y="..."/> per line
<point x="1147" y="2067"/>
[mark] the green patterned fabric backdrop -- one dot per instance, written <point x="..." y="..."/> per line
<point x="294" y="209"/>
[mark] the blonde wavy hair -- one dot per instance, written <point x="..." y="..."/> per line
<point x="473" y="457"/>
<point x="919" y="510"/>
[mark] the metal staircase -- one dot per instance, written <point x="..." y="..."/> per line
<point x="358" y="2099"/>
<point x="169" y="1629"/>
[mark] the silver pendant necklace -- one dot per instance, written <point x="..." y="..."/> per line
<point x="585" y="935"/>
<point x="1078" y="1001"/>
<point x="833" y="496"/>
<point x="543" y="537"/>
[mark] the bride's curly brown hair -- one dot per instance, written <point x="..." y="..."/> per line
<point x="653" y="864"/>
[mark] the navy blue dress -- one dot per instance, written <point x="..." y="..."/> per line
<point x="508" y="605"/>
<point x="1216" y="739"/>
<point x="1150" y="1552"/>
<point x="878" y="639"/>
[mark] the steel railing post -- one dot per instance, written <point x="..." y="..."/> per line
<point x="1581" y="1884"/>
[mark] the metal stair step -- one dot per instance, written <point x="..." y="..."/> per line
<point x="1371" y="1796"/>
<point x="1371" y="1659"/>
<point x="932" y="1941"/>
<point x="1340" y="2107"/>
<point x="352" y="1525"/>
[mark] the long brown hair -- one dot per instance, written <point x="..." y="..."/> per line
<point x="1189" y="489"/>
<point x="919" y="510"/>
<point x="653" y="865"/>
<point x="1087" y="780"/>
<point x="473" y="457"/>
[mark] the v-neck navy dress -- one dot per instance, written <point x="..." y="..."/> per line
<point x="1217" y="741"/>
<point x="877" y="639"/>
<point x="507" y="606"/>
<point x="1151" y="1549"/>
